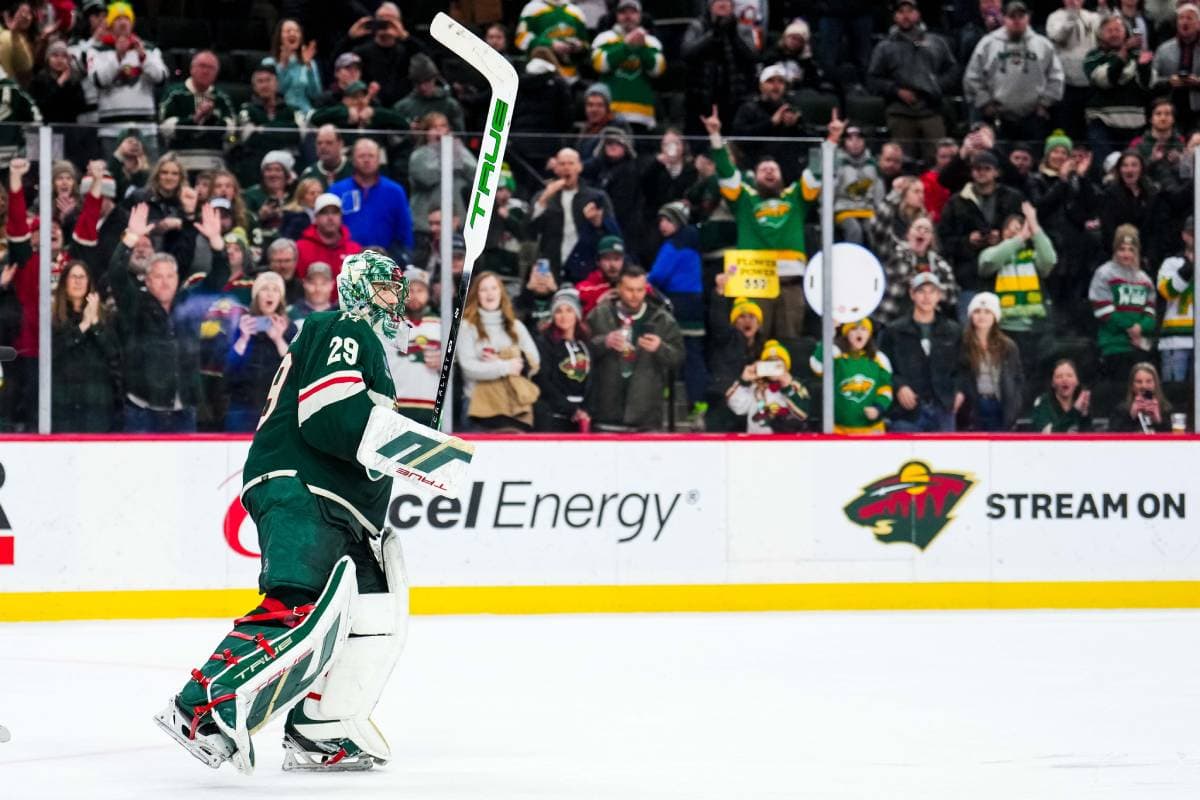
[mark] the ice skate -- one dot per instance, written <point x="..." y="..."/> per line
<point x="198" y="736"/>
<point x="328" y="755"/>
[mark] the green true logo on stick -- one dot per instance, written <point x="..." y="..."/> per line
<point x="491" y="160"/>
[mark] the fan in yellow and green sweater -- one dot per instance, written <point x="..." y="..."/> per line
<point x="862" y="380"/>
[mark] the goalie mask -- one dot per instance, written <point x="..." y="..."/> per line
<point x="372" y="287"/>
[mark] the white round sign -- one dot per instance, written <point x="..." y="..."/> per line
<point x="858" y="282"/>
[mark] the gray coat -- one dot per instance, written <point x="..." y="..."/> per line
<point x="1017" y="76"/>
<point x="1166" y="64"/>
<point x="921" y="62"/>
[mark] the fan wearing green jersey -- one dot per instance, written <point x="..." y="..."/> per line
<point x="771" y="217"/>
<point x="325" y="637"/>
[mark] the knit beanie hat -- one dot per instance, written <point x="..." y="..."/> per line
<point x="744" y="306"/>
<point x="567" y="296"/>
<point x="1058" y="139"/>
<point x="422" y="68"/>
<point x="677" y="212"/>
<point x="119" y="10"/>
<point x="846" y="327"/>
<point x="269" y="277"/>
<point x="773" y="349"/>
<point x="985" y="300"/>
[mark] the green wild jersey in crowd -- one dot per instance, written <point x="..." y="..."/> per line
<point x="334" y="373"/>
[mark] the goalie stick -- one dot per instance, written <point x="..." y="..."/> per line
<point x="502" y="79"/>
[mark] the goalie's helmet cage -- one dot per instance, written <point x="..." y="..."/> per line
<point x="364" y="279"/>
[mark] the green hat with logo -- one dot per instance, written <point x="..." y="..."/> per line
<point x="611" y="244"/>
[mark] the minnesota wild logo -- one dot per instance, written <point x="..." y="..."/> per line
<point x="857" y="387"/>
<point x="576" y="366"/>
<point x="911" y="506"/>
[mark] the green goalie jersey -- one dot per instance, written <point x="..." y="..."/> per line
<point x="334" y="373"/>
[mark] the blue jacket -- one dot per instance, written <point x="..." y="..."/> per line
<point x="376" y="216"/>
<point x="676" y="268"/>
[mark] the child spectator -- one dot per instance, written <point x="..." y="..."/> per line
<point x="768" y="396"/>
<point x="1122" y="298"/>
<point x="862" y="391"/>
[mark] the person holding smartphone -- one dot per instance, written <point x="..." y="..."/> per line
<point x="766" y="393"/>
<point x="1144" y="409"/>
<point x="263" y="338"/>
<point x="1067" y="406"/>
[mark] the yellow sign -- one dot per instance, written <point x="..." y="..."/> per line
<point x="755" y="273"/>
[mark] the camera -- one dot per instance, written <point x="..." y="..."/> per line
<point x="1147" y="394"/>
<point x="262" y="324"/>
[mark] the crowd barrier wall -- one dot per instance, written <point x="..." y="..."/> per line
<point x="146" y="528"/>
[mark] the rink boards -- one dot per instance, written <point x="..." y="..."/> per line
<point x="153" y="528"/>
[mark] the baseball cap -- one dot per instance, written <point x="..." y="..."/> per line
<point x="922" y="278"/>
<point x="94" y="6"/>
<point x="458" y="244"/>
<point x="356" y="87"/>
<point x="325" y="201"/>
<point x="1191" y="7"/>
<point x="347" y="60"/>
<point x="416" y="275"/>
<point x="897" y="3"/>
<point x="1016" y="9"/>
<point x="773" y="71"/>
<point x="629" y="4"/>
<point x="985" y="158"/>
<point x="221" y="204"/>
<point x="611" y="244"/>
<point x="266" y="65"/>
<point x="319" y="268"/>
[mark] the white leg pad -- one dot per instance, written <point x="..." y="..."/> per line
<point x="360" y="671"/>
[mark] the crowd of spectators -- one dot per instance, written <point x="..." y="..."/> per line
<point x="1022" y="170"/>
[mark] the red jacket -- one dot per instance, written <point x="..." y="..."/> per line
<point x="936" y="195"/>
<point x="25" y="281"/>
<point x="313" y="249"/>
<point x="592" y="290"/>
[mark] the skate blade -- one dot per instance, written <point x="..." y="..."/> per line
<point x="297" y="759"/>
<point x="211" y="755"/>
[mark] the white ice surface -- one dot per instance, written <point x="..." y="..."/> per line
<point x="1092" y="705"/>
